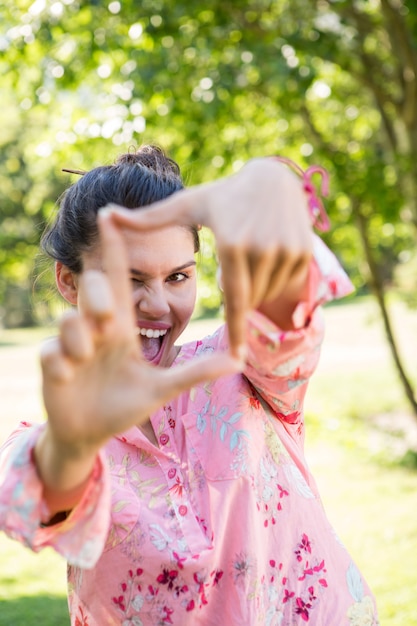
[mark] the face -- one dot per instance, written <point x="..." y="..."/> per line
<point x="162" y="271"/>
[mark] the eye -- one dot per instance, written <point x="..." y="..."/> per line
<point x="135" y="282"/>
<point x="177" y="277"/>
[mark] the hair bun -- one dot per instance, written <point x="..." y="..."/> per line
<point x="153" y="158"/>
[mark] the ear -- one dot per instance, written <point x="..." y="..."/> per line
<point x="66" y="282"/>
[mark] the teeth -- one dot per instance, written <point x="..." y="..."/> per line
<point x="151" y="333"/>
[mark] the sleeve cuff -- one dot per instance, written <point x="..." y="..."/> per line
<point x="327" y="281"/>
<point x="81" y="537"/>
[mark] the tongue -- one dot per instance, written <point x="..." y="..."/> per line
<point x="150" y="347"/>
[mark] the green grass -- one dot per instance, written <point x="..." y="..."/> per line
<point x="370" y="499"/>
<point x="32" y="586"/>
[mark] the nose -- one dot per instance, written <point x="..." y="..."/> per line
<point x="153" y="302"/>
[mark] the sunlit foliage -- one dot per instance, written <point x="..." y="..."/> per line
<point x="215" y="83"/>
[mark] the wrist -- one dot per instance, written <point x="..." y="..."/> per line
<point x="60" y="503"/>
<point x="318" y="215"/>
<point x="62" y="468"/>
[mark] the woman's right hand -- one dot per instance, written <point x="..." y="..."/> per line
<point x="96" y="382"/>
<point x="262" y="226"/>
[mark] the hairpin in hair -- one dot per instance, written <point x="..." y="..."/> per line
<point x="79" y="172"/>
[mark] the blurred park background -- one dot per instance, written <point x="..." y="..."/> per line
<point x="331" y="82"/>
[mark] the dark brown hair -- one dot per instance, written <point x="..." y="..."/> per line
<point x="135" y="180"/>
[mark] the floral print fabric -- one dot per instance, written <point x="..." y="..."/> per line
<point x="221" y="523"/>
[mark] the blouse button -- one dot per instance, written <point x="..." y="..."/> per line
<point x="182" y="510"/>
<point x="171" y="472"/>
<point x="164" y="439"/>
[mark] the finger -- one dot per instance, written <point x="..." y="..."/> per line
<point x="116" y="267"/>
<point x="94" y="295"/>
<point x="261" y="267"/>
<point x="56" y="367"/>
<point x="76" y="339"/>
<point x="182" y="207"/>
<point x="178" y="379"/>
<point x="290" y="271"/>
<point x="237" y="291"/>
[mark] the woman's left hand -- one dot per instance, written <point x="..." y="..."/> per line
<point x="263" y="233"/>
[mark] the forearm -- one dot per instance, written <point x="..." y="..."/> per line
<point x="63" y="472"/>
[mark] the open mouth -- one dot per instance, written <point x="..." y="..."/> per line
<point x="152" y="340"/>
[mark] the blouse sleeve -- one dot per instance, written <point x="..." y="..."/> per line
<point x="280" y="363"/>
<point x="80" y="538"/>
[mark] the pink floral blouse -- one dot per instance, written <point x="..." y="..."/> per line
<point x="221" y="524"/>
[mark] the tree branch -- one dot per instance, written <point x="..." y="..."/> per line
<point x="405" y="51"/>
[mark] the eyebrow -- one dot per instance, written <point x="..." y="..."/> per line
<point x="173" y="271"/>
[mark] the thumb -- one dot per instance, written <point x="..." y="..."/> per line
<point x="182" y="207"/>
<point x="177" y="379"/>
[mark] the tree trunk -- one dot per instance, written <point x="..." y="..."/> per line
<point x="379" y="291"/>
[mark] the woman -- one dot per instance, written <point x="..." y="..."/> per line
<point x="173" y="479"/>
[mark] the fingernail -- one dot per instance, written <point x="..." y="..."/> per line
<point x="105" y="211"/>
<point x="241" y="353"/>
<point x="110" y="208"/>
<point x="239" y="365"/>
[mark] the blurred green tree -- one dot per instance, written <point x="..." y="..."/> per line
<point x="332" y="81"/>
